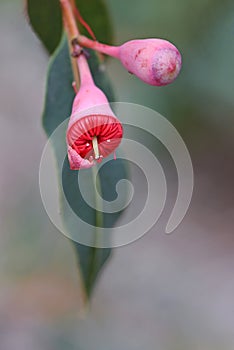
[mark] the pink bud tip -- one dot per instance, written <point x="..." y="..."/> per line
<point x="155" y="61"/>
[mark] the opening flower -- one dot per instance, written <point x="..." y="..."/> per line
<point x="93" y="131"/>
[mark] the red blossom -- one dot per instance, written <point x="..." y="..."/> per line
<point x="93" y="131"/>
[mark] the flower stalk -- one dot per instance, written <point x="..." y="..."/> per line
<point x="72" y="32"/>
<point x="69" y="19"/>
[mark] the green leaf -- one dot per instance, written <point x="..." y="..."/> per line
<point x="46" y="20"/>
<point x="58" y="103"/>
<point x="96" y="15"/>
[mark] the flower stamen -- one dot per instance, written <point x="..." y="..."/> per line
<point x="95" y="148"/>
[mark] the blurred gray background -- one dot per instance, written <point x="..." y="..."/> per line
<point x="162" y="292"/>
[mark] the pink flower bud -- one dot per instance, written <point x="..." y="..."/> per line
<point x="93" y="130"/>
<point x="155" y="61"/>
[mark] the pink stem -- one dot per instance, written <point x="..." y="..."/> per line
<point x="95" y="45"/>
<point x="84" y="71"/>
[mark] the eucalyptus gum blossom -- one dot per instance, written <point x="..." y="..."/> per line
<point x="155" y="61"/>
<point x="93" y="130"/>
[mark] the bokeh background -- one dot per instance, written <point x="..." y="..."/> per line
<point x="162" y="292"/>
